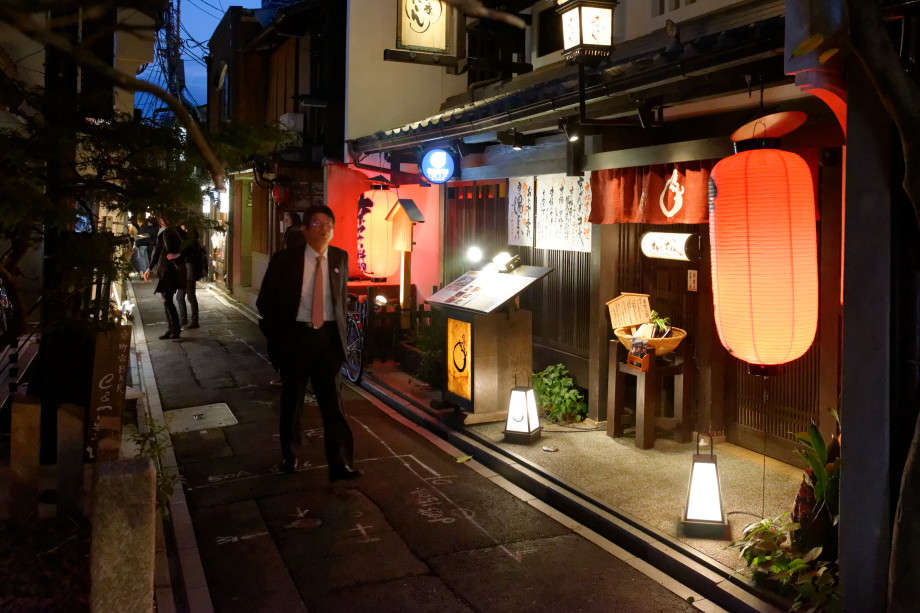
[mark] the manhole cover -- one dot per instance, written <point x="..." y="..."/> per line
<point x="203" y="417"/>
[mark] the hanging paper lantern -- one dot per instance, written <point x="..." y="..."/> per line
<point x="376" y="256"/>
<point x="280" y="194"/>
<point x="764" y="255"/>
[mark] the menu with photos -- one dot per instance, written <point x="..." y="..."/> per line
<point x="483" y="292"/>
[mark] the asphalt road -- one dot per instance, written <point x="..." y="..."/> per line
<point x="422" y="530"/>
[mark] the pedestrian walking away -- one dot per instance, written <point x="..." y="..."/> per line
<point x="302" y="306"/>
<point x="167" y="260"/>
<point x="294" y="232"/>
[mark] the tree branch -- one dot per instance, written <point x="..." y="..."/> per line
<point x="26" y="25"/>
<point x="475" y="8"/>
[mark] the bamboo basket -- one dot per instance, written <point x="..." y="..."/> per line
<point x="661" y="346"/>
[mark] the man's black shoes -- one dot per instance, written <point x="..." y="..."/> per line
<point x="289" y="465"/>
<point x="169" y="335"/>
<point x="346" y="473"/>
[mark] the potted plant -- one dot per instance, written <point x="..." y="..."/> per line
<point x="796" y="557"/>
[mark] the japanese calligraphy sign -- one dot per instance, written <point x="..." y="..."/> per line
<point x="107" y="400"/>
<point x="562" y="208"/>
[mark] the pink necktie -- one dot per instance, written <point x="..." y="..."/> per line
<point x="317" y="312"/>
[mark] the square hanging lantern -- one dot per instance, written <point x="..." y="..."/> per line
<point x="587" y="27"/>
<point x="523" y="425"/>
<point x="704" y="513"/>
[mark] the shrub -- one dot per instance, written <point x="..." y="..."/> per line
<point x="558" y="396"/>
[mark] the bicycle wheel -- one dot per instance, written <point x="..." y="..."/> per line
<point x="354" y="362"/>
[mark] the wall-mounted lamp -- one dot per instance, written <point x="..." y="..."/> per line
<point x="587" y="38"/>
<point x="523" y="424"/>
<point x="704" y="513"/>
<point x="671" y="246"/>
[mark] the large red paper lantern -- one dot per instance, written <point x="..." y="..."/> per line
<point x="764" y="255"/>
<point x="376" y="256"/>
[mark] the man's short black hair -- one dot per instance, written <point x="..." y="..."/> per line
<point x="316" y="209"/>
<point x="294" y="217"/>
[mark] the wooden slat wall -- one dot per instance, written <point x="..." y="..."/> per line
<point x="476" y="213"/>
<point x="260" y="206"/>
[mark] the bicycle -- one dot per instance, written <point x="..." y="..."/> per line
<point x="355" y="325"/>
<point x="6" y="310"/>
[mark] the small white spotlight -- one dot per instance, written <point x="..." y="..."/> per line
<point x="474" y="254"/>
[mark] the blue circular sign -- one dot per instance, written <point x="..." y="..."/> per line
<point x="437" y="166"/>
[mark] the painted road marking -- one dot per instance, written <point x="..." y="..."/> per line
<point x="224" y="540"/>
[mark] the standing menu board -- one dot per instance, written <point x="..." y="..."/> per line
<point x="483" y="292"/>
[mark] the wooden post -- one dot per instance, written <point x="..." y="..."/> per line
<point x="647" y="392"/>
<point x="25" y="445"/>
<point x="405" y="285"/>
<point x="69" y="466"/>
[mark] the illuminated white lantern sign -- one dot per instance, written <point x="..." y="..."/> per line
<point x="704" y="514"/>
<point x="437" y="166"/>
<point x="671" y="246"/>
<point x="587" y="27"/>
<point x="523" y="424"/>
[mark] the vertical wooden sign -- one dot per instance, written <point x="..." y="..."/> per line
<point x="460" y="358"/>
<point x="107" y="400"/>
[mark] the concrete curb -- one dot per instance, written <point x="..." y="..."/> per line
<point x="191" y="588"/>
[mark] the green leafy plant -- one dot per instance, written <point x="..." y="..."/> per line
<point x="824" y="468"/>
<point x="662" y="323"/>
<point x="817" y="503"/>
<point x="774" y="562"/>
<point x="431" y="340"/>
<point x="558" y="396"/>
<point x="153" y="443"/>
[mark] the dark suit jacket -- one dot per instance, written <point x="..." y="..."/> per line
<point x="279" y="296"/>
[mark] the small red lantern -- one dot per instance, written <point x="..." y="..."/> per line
<point x="764" y="255"/>
<point x="280" y="194"/>
<point x="376" y="256"/>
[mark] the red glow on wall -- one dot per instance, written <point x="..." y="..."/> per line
<point x="764" y="255"/>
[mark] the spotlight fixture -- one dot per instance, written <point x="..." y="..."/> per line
<point x="505" y="262"/>
<point x="571" y="129"/>
<point x="515" y="139"/>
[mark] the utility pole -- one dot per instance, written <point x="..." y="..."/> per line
<point x="169" y="48"/>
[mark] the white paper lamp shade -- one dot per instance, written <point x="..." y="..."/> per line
<point x="587" y="27"/>
<point x="523" y="424"/>
<point x="704" y="508"/>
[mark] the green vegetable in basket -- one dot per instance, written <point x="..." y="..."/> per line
<point x="662" y="323"/>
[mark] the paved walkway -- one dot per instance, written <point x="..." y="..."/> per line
<point x="426" y="529"/>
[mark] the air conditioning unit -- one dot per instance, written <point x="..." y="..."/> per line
<point x="293" y="122"/>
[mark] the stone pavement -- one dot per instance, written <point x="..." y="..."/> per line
<point x="425" y="529"/>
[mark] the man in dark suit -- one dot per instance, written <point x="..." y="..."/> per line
<point x="302" y="304"/>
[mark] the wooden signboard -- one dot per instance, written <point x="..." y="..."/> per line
<point x="460" y="358"/>
<point x="423" y="25"/>
<point x="629" y="310"/>
<point x="107" y="401"/>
